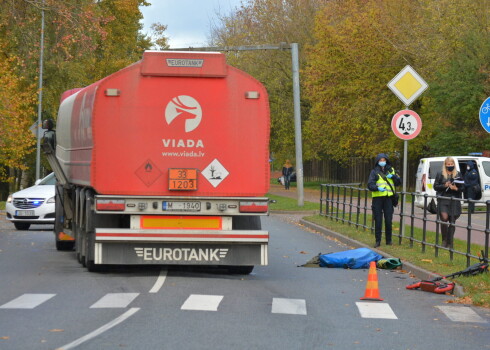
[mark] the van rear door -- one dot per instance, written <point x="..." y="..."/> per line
<point x="484" y="171"/>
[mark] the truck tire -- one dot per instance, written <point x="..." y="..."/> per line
<point x="244" y="223"/>
<point x="87" y="230"/>
<point x="22" y="226"/>
<point x="58" y="223"/>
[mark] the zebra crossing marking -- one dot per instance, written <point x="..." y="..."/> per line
<point x="461" y="314"/>
<point x="376" y="310"/>
<point x="199" y="302"/>
<point x="115" y="300"/>
<point x="288" y="306"/>
<point x="27" y="301"/>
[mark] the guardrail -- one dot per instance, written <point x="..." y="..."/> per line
<point x="351" y="204"/>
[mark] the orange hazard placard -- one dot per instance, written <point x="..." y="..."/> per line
<point x="182" y="179"/>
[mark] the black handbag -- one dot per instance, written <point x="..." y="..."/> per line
<point x="432" y="207"/>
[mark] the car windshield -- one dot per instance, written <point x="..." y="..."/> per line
<point x="48" y="180"/>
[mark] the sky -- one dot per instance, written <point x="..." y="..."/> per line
<point x="188" y="21"/>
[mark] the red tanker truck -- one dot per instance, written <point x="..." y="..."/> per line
<point x="164" y="162"/>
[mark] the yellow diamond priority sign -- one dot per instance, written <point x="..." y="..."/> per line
<point x="408" y="85"/>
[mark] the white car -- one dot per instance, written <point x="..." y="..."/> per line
<point x="33" y="205"/>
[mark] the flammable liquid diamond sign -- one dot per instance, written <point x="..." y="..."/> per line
<point x="408" y="85"/>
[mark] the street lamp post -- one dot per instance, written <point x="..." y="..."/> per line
<point x="40" y="98"/>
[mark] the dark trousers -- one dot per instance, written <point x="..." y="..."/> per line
<point x="383" y="206"/>
<point x="471" y="194"/>
<point x="287" y="181"/>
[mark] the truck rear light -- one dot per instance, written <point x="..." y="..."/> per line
<point x="254" y="207"/>
<point x="110" y="204"/>
<point x="423" y="183"/>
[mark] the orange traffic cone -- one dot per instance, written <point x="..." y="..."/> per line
<point x="372" y="291"/>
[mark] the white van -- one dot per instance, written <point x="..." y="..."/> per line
<point x="429" y="167"/>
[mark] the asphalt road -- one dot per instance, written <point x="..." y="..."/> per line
<point x="48" y="301"/>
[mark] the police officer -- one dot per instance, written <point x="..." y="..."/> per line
<point x="471" y="184"/>
<point x="382" y="181"/>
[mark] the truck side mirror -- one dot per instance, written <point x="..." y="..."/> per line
<point x="48" y="124"/>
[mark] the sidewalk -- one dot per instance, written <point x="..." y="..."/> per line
<point x="309" y="194"/>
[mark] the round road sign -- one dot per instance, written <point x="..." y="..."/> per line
<point x="485" y="114"/>
<point x="406" y="124"/>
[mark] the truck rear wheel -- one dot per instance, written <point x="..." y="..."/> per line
<point x="87" y="230"/>
<point x="59" y="221"/>
<point x="22" y="226"/>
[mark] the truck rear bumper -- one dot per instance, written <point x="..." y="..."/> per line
<point x="181" y="247"/>
<point x="144" y="235"/>
<point x="162" y="253"/>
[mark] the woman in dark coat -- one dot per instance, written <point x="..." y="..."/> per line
<point x="448" y="184"/>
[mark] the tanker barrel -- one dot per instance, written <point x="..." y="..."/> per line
<point x="48" y="146"/>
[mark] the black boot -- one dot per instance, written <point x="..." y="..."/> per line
<point x="444" y="239"/>
<point x="378" y="243"/>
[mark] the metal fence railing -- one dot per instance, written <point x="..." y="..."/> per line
<point x="351" y="204"/>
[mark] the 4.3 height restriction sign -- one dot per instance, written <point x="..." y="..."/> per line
<point x="406" y="124"/>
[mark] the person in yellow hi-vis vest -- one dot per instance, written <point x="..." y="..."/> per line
<point x="382" y="181"/>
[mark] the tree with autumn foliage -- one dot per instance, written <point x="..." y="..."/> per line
<point x="362" y="44"/>
<point x="84" y="41"/>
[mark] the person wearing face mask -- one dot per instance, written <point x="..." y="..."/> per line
<point x="471" y="184"/>
<point x="382" y="181"/>
<point x="447" y="185"/>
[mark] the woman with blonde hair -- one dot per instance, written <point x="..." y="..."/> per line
<point x="448" y="184"/>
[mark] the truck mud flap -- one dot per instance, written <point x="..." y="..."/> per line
<point x="180" y="254"/>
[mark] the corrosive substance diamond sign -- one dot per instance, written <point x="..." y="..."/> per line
<point x="408" y="85"/>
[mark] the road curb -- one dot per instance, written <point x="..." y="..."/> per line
<point x="417" y="271"/>
<point x="302" y="212"/>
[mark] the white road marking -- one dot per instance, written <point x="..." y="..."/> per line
<point x="115" y="300"/>
<point x="100" y="330"/>
<point x="376" y="310"/>
<point x="288" y="306"/>
<point x="159" y="282"/>
<point x="202" y="302"/>
<point x="27" y="301"/>
<point x="461" y="314"/>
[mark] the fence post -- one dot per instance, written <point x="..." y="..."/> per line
<point x="468" y="239"/>
<point x="321" y="198"/>
<point x="487" y="230"/>
<point x="424" y="225"/>
<point x="412" y="220"/>
<point x="358" y="211"/>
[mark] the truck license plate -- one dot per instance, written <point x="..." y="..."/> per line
<point x="24" y="213"/>
<point x="182" y="179"/>
<point x="181" y="206"/>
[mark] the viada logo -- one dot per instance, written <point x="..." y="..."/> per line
<point x="184" y="107"/>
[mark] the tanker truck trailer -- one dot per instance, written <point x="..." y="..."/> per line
<point x="164" y="162"/>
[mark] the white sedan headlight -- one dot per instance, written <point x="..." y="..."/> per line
<point x="9" y="199"/>
<point x="51" y="200"/>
